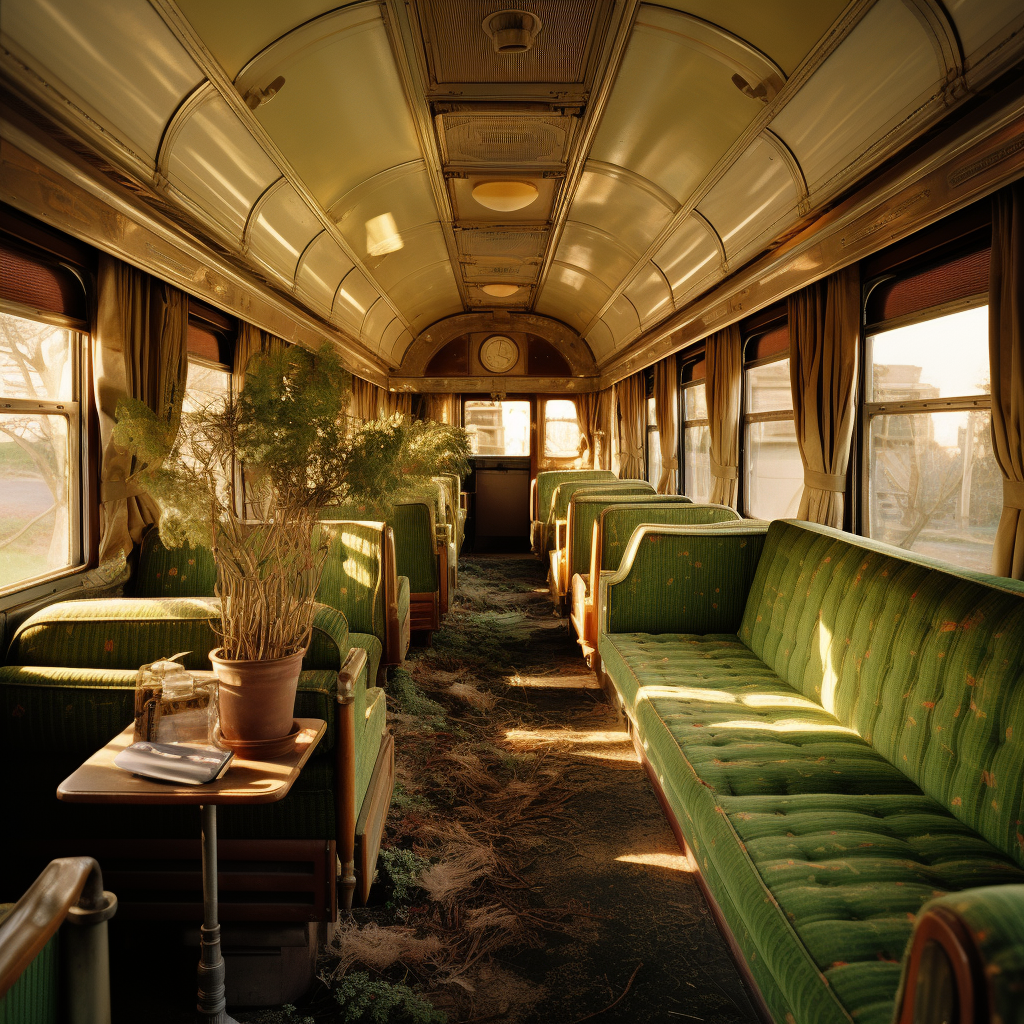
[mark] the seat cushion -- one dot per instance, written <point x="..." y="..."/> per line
<point x="822" y="852"/>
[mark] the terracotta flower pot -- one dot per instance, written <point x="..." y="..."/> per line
<point x="257" y="702"/>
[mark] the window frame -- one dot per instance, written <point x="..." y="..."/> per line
<point x="869" y="410"/>
<point x="651" y="430"/>
<point x="552" y="461"/>
<point x="83" y="496"/>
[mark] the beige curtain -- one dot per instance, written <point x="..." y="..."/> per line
<point x="367" y="399"/>
<point x="631" y="398"/>
<point x="140" y="350"/>
<point x="724" y="363"/>
<point x="824" y="324"/>
<point x="588" y="416"/>
<point x="399" y="402"/>
<point x="666" y="402"/>
<point x="1006" y="359"/>
<point x="252" y="341"/>
<point x="440" y="408"/>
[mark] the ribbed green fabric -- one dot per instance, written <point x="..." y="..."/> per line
<point x="404" y="591"/>
<point x="926" y="663"/>
<point x="565" y="492"/>
<point x="353" y="579"/>
<point x="172" y="572"/>
<point x="34" y="997"/>
<point x="693" y="583"/>
<point x="374" y="651"/>
<point x="550" y="479"/>
<point x="416" y="547"/>
<point x="623" y="518"/>
<point x="583" y="512"/>
<point x="373" y="722"/>
<point x="995" y="918"/>
<point x="129" y="632"/>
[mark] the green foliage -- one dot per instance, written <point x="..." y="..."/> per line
<point x="286" y="1014"/>
<point x="400" y="872"/>
<point x="366" y="1000"/>
<point x="409" y="699"/>
<point x="484" y="640"/>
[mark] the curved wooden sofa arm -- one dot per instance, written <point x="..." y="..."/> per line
<point x="966" y="959"/>
<point x="68" y="887"/>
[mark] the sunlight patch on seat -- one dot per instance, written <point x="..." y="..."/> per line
<point x="829" y="679"/>
<point x="777" y="700"/>
<point x="687" y="693"/>
<point x="787" y="725"/>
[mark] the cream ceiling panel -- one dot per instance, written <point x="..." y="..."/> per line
<point x="394" y="341"/>
<point x="785" y="30"/>
<point x="398" y="199"/>
<point x="842" y="110"/>
<point x="674" y="110"/>
<point x="236" y="30"/>
<point x="431" y="287"/>
<point x="625" y="206"/>
<point x="977" y="23"/>
<point x="754" y="197"/>
<point x="376" y="322"/>
<point x="353" y="300"/>
<point x="572" y="295"/>
<point x="650" y="294"/>
<point x="341" y="116"/>
<point x="120" y="59"/>
<point x="601" y="340"/>
<point x="621" y="318"/>
<point x="422" y="247"/>
<point x="689" y="256"/>
<point x="280" y="229"/>
<point x="321" y="269"/>
<point x="215" y="162"/>
<point x="596" y="252"/>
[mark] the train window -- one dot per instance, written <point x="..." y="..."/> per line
<point x="40" y="450"/>
<point x="933" y="485"/>
<point x="561" y="429"/>
<point x="498" y="427"/>
<point x="696" y="434"/>
<point x="773" y="470"/>
<point x="207" y="384"/>
<point x="653" y="444"/>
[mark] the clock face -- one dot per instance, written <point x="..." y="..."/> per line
<point x="499" y="353"/>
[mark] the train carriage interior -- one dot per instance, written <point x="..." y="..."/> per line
<point x="512" y="510"/>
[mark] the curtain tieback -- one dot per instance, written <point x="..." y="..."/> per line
<point x="724" y="472"/>
<point x="670" y="463"/>
<point x="119" y="490"/>
<point x="633" y="451"/>
<point x="1013" y="493"/>
<point x="825" y="481"/>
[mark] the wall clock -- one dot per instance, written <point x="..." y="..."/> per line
<point x="499" y="353"/>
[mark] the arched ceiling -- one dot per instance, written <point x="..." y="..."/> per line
<point x="669" y="143"/>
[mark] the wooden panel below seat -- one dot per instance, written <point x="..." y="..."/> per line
<point x="423" y="611"/>
<point x="374" y="812"/>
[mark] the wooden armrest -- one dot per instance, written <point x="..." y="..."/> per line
<point x="345" y="771"/>
<point x="65" y="886"/>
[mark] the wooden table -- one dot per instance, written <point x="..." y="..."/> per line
<point x="99" y="781"/>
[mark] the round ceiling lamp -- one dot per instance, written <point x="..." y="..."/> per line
<point x="512" y="31"/>
<point x="505" y="196"/>
<point x="500" y="291"/>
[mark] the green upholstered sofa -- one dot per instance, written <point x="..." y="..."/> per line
<point x="572" y="551"/>
<point x="542" y="487"/>
<point x="455" y="506"/>
<point x="611" y="520"/>
<point x="67" y="687"/>
<point x="556" y="527"/>
<point x="359" y="580"/>
<point x="836" y="729"/>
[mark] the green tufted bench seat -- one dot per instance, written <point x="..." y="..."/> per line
<point x="67" y="686"/>
<point x="607" y="522"/>
<point x="542" y="488"/>
<point x="836" y="728"/>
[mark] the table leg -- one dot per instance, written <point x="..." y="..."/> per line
<point x="211" y="1002"/>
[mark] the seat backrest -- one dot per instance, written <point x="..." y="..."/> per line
<point x="617" y="522"/>
<point x="172" y="572"/>
<point x="354" y="579"/>
<point x="564" y="493"/>
<point x="547" y="481"/>
<point x="923" y="660"/>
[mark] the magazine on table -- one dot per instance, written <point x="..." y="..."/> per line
<point x="174" y="762"/>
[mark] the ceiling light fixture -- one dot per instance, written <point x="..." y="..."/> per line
<point x="512" y="31"/>
<point x="256" y="96"/>
<point x="505" y="196"/>
<point x="500" y="291"/>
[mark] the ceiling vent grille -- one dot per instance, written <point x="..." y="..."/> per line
<point x="504" y="139"/>
<point x="514" y="271"/>
<point x="482" y="242"/>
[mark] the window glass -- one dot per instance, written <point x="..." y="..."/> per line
<point x="498" y="427"/>
<point x="653" y="445"/>
<point x="695" y="402"/>
<point x="942" y="358"/>
<point x="933" y="483"/>
<point x="205" y="386"/>
<point x="561" y="430"/>
<point x="39" y="450"/>
<point x="774" y="472"/>
<point x="696" y="443"/>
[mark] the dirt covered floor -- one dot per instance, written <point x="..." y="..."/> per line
<point x="530" y="875"/>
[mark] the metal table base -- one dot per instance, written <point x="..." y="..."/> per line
<point x="211" y="1004"/>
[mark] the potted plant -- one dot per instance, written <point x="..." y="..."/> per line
<point x="288" y="437"/>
